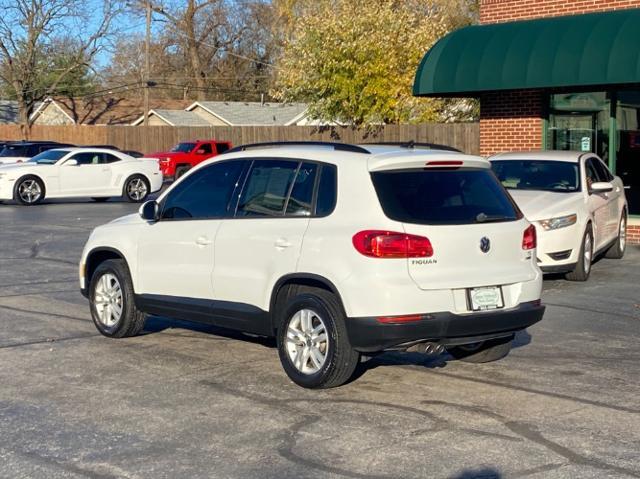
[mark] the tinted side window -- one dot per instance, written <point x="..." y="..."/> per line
<point x="603" y="172"/>
<point x="206" y="148"/>
<point x="206" y="193"/>
<point x="109" y="158"/>
<point x="301" y="199"/>
<point x="327" y="191"/>
<point x="88" y="158"/>
<point x="591" y="172"/>
<point x="222" y="147"/>
<point x="267" y="187"/>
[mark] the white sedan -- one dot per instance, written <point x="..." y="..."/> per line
<point x="80" y="172"/>
<point x="577" y="205"/>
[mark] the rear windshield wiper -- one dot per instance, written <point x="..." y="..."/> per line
<point x="484" y="218"/>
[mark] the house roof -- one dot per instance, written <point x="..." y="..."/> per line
<point x="8" y="112"/>
<point x="108" y="110"/>
<point x="253" y="113"/>
<point x="180" y="117"/>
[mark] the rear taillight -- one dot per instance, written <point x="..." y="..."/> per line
<point x="389" y="244"/>
<point x="529" y="240"/>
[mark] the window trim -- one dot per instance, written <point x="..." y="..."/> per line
<point x="241" y="179"/>
<point x="314" y="196"/>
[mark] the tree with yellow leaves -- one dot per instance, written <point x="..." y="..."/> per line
<point x="354" y="61"/>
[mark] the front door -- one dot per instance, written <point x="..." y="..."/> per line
<point x="176" y="253"/>
<point x="599" y="205"/>
<point x="90" y="176"/>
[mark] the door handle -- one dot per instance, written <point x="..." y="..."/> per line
<point x="203" y="241"/>
<point x="282" y="243"/>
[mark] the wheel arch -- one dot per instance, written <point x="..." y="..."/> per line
<point x="301" y="279"/>
<point x="97" y="256"/>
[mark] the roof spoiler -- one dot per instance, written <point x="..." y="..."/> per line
<point x="412" y="144"/>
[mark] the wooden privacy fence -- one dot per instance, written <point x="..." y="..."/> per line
<point x="464" y="136"/>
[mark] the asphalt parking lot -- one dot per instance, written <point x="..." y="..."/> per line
<point x="188" y="401"/>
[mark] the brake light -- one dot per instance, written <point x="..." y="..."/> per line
<point x="444" y="163"/>
<point x="390" y="244"/>
<point x="529" y="240"/>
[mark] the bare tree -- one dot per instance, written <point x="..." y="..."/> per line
<point x="27" y="30"/>
<point x="203" y="29"/>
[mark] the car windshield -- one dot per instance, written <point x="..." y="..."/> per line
<point x="48" y="157"/>
<point x="183" y="147"/>
<point x="13" y="150"/>
<point x="560" y="176"/>
<point x="443" y="196"/>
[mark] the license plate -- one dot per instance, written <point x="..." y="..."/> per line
<point x="482" y="299"/>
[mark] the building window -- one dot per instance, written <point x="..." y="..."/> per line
<point x="580" y="122"/>
<point x="627" y="164"/>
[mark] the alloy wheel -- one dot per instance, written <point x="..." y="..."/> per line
<point x="108" y="300"/>
<point x="623" y="234"/>
<point x="137" y="189"/>
<point x="307" y="342"/>
<point x="29" y="191"/>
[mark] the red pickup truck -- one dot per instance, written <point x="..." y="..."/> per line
<point x="186" y="155"/>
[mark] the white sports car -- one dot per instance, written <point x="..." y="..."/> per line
<point x="97" y="173"/>
<point x="579" y="208"/>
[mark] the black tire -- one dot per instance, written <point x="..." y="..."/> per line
<point x="131" y="321"/>
<point x="100" y="200"/>
<point x="484" y="352"/>
<point x="136" y="189"/>
<point x="617" y="249"/>
<point x="583" y="267"/>
<point x="340" y="360"/>
<point x="31" y="183"/>
<point x="181" y="170"/>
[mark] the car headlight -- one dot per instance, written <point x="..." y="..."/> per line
<point x="559" y="222"/>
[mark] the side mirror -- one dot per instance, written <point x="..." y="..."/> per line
<point x="200" y="152"/>
<point x="71" y="162"/>
<point x="150" y="211"/>
<point x="601" y="187"/>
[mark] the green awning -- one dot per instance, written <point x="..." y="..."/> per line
<point x="572" y="51"/>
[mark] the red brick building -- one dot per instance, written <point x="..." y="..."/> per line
<point x="550" y="74"/>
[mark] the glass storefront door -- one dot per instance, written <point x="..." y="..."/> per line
<point x="628" y="152"/>
<point x="580" y="122"/>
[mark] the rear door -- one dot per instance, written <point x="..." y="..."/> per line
<point x="264" y="240"/>
<point x="474" y="227"/>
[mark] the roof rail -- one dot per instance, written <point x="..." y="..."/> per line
<point x="413" y="144"/>
<point x="329" y="144"/>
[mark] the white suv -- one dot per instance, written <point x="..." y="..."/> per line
<point x="334" y="249"/>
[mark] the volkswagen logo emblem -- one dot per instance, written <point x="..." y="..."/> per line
<point x="485" y="244"/>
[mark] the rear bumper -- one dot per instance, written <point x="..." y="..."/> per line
<point x="369" y="335"/>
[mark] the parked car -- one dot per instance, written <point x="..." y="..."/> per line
<point x="79" y="172"/>
<point x="184" y="156"/>
<point x="337" y="250"/>
<point x="19" y="151"/>
<point x="579" y="207"/>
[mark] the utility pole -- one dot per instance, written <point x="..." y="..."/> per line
<point x="147" y="66"/>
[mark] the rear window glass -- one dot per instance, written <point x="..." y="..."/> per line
<point x="443" y="196"/>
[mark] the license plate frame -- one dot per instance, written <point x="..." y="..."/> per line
<point x="493" y="298"/>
